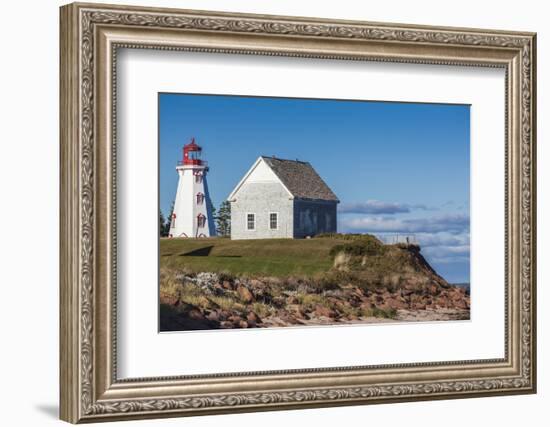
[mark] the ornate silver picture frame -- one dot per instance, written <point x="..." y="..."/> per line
<point x="91" y="390"/>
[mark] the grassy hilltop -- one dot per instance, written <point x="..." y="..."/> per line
<point x="268" y="257"/>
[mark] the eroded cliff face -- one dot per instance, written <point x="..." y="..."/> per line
<point x="393" y="266"/>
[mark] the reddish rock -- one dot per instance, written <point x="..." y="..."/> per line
<point x="245" y="294"/>
<point x="457" y="295"/>
<point x="292" y="300"/>
<point x="213" y="315"/>
<point x="407" y="292"/>
<point x="243" y="324"/>
<point x="296" y="310"/>
<point x="433" y="289"/>
<point x="256" y="283"/>
<point x="358" y="292"/>
<point x="352" y="296"/>
<point x="335" y="302"/>
<point x="366" y="305"/>
<point x="443" y="301"/>
<point x="409" y="286"/>
<point x="321" y="310"/>
<point x="293" y="282"/>
<point x="226" y="284"/>
<point x="462" y="304"/>
<point x="301" y="314"/>
<point x="224" y="314"/>
<point x="290" y="319"/>
<point x="196" y="314"/>
<point x="170" y="299"/>
<point x="395" y="303"/>
<point x="253" y="317"/>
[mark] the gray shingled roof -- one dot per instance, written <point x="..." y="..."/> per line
<point x="301" y="179"/>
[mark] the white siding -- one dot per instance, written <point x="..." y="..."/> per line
<point x="261" y="199"/>
<point x="262" y="173"/>
<point x="186" y="207"/>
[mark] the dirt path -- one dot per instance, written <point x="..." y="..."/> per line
<point x="428" y="315"/>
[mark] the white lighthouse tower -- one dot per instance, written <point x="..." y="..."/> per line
<point x="192" y="216"/>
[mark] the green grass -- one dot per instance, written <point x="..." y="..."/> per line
<point x="266" y="257"/>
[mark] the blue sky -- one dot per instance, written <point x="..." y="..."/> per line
<point x="396" y="167"/>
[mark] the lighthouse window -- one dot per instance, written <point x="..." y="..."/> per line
<point x="250" y="221"/>
<point x="273" y="220"/>
<point x="201" y="220"/>
<point x="200" y="198"/>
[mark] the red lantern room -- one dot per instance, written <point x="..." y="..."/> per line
<point x="192" y="154"/>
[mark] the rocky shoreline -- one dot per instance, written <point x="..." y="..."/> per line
<point x="216" y="301"/>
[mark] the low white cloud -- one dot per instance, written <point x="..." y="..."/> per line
<point x="446" y="251"/>
<point x="435" y="261"/>
<point x="379" y="207"/>
<point x="443" y="239"/>
<point x="454" y="224"/>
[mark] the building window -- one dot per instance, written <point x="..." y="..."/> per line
<point x="200" y="198"/>
<point x="173" y="221"/>
<point x="250" y="221"/>
<point x="273" y="220"/>
<point x="201" y="220"/>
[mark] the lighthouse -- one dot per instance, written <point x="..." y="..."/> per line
<point x="192" y="215"/>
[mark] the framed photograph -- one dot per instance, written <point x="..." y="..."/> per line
<point x="266" y="212"/>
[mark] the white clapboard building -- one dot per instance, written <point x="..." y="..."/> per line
<point x="192" y="215"/>
<point x="280" y="198"/>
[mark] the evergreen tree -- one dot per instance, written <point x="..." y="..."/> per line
<point x="168" y="221"/>
<point x="162" y="225"/>
<point x="223" y="219"/>
<point x="213" y="213"/>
